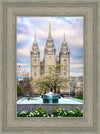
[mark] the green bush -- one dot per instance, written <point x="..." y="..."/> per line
<point x="64" y="113"/>
<point x="23" y="114"/>
<point x="40" y="112"/>
<point x="40" y="109"/>
<point x="60" y="112"/>
<point x="76" y="113"/>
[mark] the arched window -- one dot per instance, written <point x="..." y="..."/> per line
<point x="34" y="68"/>
<point x="65" y="68"/>
<point x="65" y="73"/>
<point x="50" y="60"/>
<point x="35" y="74"/>
<point x="35" y="61"/>
<point x="65" y="61"/>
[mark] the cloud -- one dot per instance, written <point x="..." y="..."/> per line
<point x="76" y="66"/>
<point x="76" y="74"/>
<point x="72" y="27"/>
<point x="23" y="52"/>
<point x="21" y="72"/>
<point x="59" y="26"/>
<point x="76" y="69"/>
<point x="72" y="60"/>
<point x="21" y="64"/>
<point x="21" y="37"/>
<point x="19" y="20"/>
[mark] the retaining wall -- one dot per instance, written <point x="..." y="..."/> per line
<point x="47" y="107"/>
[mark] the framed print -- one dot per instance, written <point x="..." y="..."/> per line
<point x="50" y="75"/>
<point x="49" y="66"/>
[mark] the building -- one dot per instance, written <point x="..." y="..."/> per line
<point x="35" y="60"/>
<point x="77" y="85"/>
<point x="50" y="58"/>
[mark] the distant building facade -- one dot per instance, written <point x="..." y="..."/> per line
<point x="76" y="85"/>
<point x="50" y="58"/>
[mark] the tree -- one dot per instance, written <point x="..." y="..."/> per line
<point x="32" y="85"/>
<point x="52" y="80"/>
<point x="26" y="85"/>
<point x="19" y="90"/>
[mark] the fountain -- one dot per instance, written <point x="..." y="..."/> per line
<point x="49" y="102"/>
<point x="50" y="97"/>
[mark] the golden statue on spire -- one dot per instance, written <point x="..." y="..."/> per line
<point x="49" y="24"/>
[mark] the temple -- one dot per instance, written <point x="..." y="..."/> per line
<point x="50" y="58"/>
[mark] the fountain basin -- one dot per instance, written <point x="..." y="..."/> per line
<point x="35" y="102"/>
<point x="50" y="97"/>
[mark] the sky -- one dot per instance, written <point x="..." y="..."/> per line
<point x="72" y="27"/>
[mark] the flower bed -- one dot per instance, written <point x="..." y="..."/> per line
<point x="40" y="112"/>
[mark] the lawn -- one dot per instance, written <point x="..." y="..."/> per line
<point x="79" y="97"/>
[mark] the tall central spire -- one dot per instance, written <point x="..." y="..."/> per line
<point x="49" y="35"/>
<point x="64" y="41"/>
<point x="35" y="38"/>
<point x="64" y="37"/>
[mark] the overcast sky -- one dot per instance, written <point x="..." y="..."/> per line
<point x="72" y="27"/>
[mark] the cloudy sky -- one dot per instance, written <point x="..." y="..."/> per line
<point x="72" y="27"/>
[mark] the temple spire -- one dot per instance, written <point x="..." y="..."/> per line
<point x="49" y="35"/>
<point x="64" y="37"/>
<point x="35" y="38"/>
<point x="64" y="41"/>
<point x="35" y="46"/>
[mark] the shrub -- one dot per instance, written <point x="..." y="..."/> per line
<point x="64" y="113"/>
<point x="76" y="113"/>
<point x="40" y="112"/>
<point x="60" y="112"/>
<point x="23" y="114"/>
<point x="40" y="109"/>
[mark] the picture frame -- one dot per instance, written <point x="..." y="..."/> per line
<point x="9" y="10"/>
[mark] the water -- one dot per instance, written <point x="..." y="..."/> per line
<point x="39" y="100"/>
<point x="50" y="97"/>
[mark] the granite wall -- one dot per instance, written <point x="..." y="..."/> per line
<point x="47" y="107"/>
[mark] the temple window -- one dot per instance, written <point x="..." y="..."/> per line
<point x="65" y="73"/>
<point x="65" y="61"/>
<point x="34" y="68"/>
<point x="50" y="60"/>
<point x="34" y="74"/>
<point x="34" y="61"/>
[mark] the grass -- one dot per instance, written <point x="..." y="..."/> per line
<point x="79" y="97"/>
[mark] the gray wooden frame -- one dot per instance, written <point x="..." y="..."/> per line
<point x="90" y="10"/>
